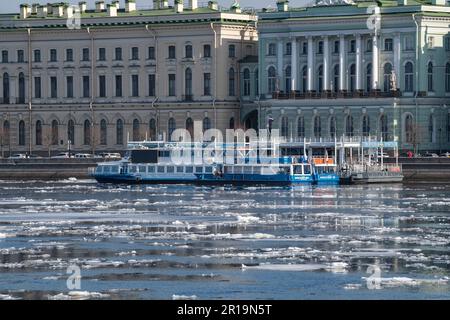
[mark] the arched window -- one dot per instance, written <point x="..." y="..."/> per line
<point x="188" y="51"/>
<point x="332" y="127"/>
<point x="369" y="77"/>
<point x="103" y="132"/>
<point x="387" y="70"/>
<point x="231" y="124"/>
<point x="304" y="78"/>
<point x="5" y="88"/>
<point x="190" y="127"/>
<point x="365" y="126"/>
<point x="384" y="127"/>
<point x="38" y="133"/>
<point x="6" y="135"/>
<point x="409" y="129"/>
<point x="256" y="82"/>
<point x="447" y="77"/>
<point x="188" y="84"/>
<point x="352" y="78"/>
<point x="21" y="88"/>
<point x="430" y="76"/>
<point x="320" y="78"/>
<point x="21" y="133"/>
<point x="87" y="132"/>
<point x="287" y="78"/>
<point x="231" y="83"/>
<point x="336" y="78"/>
<point x="171" y="126"/>
<point x="206" y="124"/>
<point x="317" y="127"/>
<point x="55" y="132"/>
<point x="284" y="127"/>
<point x="409" y="77"/>
<point x="136" y="130"/>
<point x="271" y="79"/>
<point x="246" y="82"/>
<point x="152" y="129"/>
<point x="349" y="126"/>
<point x="301" y="127"/>
<point x="119" y="131"/>
<point x="431" y="129"/>
<point x="71" y="132"/>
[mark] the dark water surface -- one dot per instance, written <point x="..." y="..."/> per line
<point x="171" y="242"/>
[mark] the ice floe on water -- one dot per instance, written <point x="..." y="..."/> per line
<point x="184" y="297"/>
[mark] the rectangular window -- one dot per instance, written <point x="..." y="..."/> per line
<point x="118" y="86"/>
<point x="207" y="84"/>
<point x="85" y="54"/>
<point x="336" y="47"/>
<point x="151" y="85"/>
<point x="172" y="52"/>
<point x="135" y="53"/>
<point x="118" y="54"/>
<point x="151" y="53"/>
<point x="102" y="86"/>
<point x="53" y="87"/>
<point x="69" y="87"/>
<point x="135" y="85"/>
<point x="69" y="55"/>
<point x="20" y="56"/>
<point x="172" y="85"/>
<point x="409" y="43"/>
<point x="288" y="48"/>
<point x="304" y="47"/>
<point x="86" y="87"/>
<point x="430" y="42"/>
<point x="320" y="47"/>
<point x="37" y="87"/>
<point x="388" y="45"/>
<point x="447" y="43"/>
<point x="207" y="51"/>
<point x="53" y="55"/>
<point x="369" y="45"/>
<point x="101" y="54"/>
<point x="5" y="56"/>
<point x="37" y="55"/>
<point x="352" y="48"/>
<point x="231" y="51"/>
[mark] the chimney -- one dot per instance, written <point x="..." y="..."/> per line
<point x="58" y="10"/>
<point x="213" y="5"/>
<point x="99" y="6"/>
<point x="283" y="5"/>
<point x="34" y="7"/>
<point x="236" y="7"/>
<point x="156" y="4"/>
<point x="164" y="4"/>
<point x="25" y="11"/>
<point x="83" y="6"/>
<point x="116" y="3"/>
<point x="68" y="11"/>
<point x="112" y="10"/>
<point x="193" y="4"/>
<point x="179" y="6"/>
<point x="130" y="6"/>
<point x="42" y="11"/>
<point x="438" y="2"/>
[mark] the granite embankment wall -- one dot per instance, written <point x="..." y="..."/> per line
<point x="415" y="169"/>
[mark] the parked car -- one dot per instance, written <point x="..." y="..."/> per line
<point x="445" y="155"/>
<point x="430" y="155"/>
<point x="18" y="156"/>
<point x="63" y="155"/>
<point x="33" y="156"/>
<point x="111" y="155"/>
<point x="83" y="155"/>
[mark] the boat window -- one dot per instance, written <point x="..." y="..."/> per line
<point x="247" y="169"/>
<point x="99" y="169"/>
<point x="307" y="169"/>
<point x="238" y="169"/>
<point x="132" y="169"/>
<point x="115" y="169"/>
<point x="179" y="169"/>
<point x="106" y="169"/>
<point x="189" y="169"/>
<point x="142" y="169"/>
<point x="170" y="169"/>
<point x="198" y="169"/>
<point x="256" y="170"/>
<point x="151" y="169"/>
<point x="297" y="169"/>
<point x="160" y="169"/>
<point x="208" y="169"/>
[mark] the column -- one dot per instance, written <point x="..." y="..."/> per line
<point x="375" y="53"/>
<point x="280" y="64"/>
<point x="310" y="64"/>
<point x="326" y="64"/>
<point x="397" y="61"/>
<point x="342" y="63"/>
<point x="359" y="71"/>
<point x="294" y="55"/>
